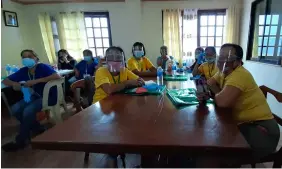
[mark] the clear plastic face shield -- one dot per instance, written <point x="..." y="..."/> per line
<point x="115" y="60"/>
<point x="225" y="61"/>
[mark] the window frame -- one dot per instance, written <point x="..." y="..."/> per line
<point x="210" y="12"/>
<point x="99" y="14"/>
<point x="265" y="59"/>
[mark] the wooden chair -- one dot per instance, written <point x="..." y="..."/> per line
<point x="275" y="157"/>
<point x="88" y="86"/>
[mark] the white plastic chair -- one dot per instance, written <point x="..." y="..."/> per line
<point x="55" y="110"/>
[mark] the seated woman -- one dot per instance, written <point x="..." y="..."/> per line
<point x="33" y="75"/>
<point x="115" y="77"/>
<point x="164" y="60"/>
<point x="198" y="52"/>
<point x="209" y="68"/>
<point x="139" y="63"/>
<point x="65" y="61"/>
<point x="86" y="67"/>
<point x="236" y="88"/>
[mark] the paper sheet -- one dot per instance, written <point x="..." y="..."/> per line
<point x="149" y="82"/>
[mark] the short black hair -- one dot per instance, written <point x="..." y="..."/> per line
<point x="200" y="49"/>
<point x="31" y="51"/>
<point x="138" y="44"/>
<point x="211" y="48"/>
<point x="238" y="49"/>
<point x="88" y="51"/>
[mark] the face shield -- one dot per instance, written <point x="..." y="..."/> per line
<point x="225" y="62"/>
<point x="115" y="60"/>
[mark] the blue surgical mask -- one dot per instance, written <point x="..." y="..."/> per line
<point x="138" y="54"/>
<point x="28" y="62"/>
<point x="88" y="58"/>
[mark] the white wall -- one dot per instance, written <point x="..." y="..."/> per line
<point x="12" y="40"/>
<point x="131" y="21"/>
<point x="264" y="74"/>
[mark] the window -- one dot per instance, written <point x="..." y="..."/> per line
<point x="265" y="37"/>
<point x="211" y="28"/>
<point x="98" y="32"/>
<point x="55" y="34"/>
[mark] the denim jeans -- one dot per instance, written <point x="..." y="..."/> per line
<point x="26" y="114"/>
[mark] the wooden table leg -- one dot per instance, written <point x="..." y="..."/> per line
<point x="86" y="157"/>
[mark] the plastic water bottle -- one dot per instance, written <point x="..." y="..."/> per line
<point x="8" y="69"/>
<point x="14" y="69"/>
<point x="184" y="65"/>
<point x="174" y="67"/>
<point x="160" y="75"/>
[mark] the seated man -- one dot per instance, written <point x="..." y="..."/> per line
<point x="139" y="63"/>
<point x="115" y="77"/>
<point x="34" y="75"/>
<point x="236" y="88"/>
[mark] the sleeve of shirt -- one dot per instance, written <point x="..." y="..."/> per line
<point x="18" y="76"/>
<point x="158" y="60"/>
<point x="131" y="65"/>
<point x="237" y="80"/>
<point x="201" y="68"/>
<point x="148" y="63"/>
<point x="216" y="77"/>
<point x="101" y="78"/>
<point x="46" y="70"/>
<point x="131" y="75"/>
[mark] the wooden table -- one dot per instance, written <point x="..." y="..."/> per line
<point x="147" y="125"/>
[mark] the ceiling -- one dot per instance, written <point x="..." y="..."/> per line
<point x="28" y="2"/>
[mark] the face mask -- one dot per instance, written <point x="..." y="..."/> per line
<point x="28" y="62"/>
<point x="88" y="58"/>
<point x="210" y="60"/>
<point x="115" y="66"/>
<point x="138" y="54"/>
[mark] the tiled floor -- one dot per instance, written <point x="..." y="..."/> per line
<point x="29" y="158"/>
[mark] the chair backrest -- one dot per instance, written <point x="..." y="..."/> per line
<point x="264" y="91"/>
<point x="87" y="84"/>
<point x="60" y="93"/>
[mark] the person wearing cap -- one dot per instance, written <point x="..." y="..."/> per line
<point x="165" y="61"/>
<point x="115" y="77"/>
<point x="208" y="69"/>
<point x="235" y="88"/>
<point x="139" y="63"/>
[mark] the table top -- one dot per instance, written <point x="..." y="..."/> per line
<point x="145" y="124"/>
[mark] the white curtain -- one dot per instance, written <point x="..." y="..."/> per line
<point x="232" y="24"/>
<point x="189" y="32"/>
<point x="47" y="36"/>
<point x="171" y="32"/>
<point x="72" y="34"/>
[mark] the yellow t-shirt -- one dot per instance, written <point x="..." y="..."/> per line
<point x="208" y="70"/>
<point x="251" y="104"/>
<point x="141" y="65"/>
<point x="103" y="76"/>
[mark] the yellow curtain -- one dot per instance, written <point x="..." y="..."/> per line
<point x="171" y="32"/>
<point x="72" y="34"/>
<point x="47" y="36"/>
<point x="232" y="25"/>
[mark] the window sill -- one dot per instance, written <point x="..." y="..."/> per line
<point x="263" y="63"/>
